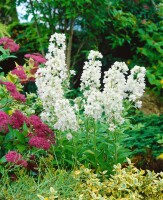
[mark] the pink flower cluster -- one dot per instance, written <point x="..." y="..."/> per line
<point x="37" y="58"/>
<point x="19" y="71"/>
<point x="13" y="91"/>
<point x="17" y="120"/>
<point x="16" y="158"/>
<point x="39" y="142"/>
<point x="43" y="136"/>
<point x="40" y="136"/>
<point x="4" y="121"/>
<point x="9" y="44"/>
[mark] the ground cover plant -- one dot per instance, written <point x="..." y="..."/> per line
<point x="126" y="183"/>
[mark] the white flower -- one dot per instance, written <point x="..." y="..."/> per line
<point x="91" y="72"/>
<point x="94" y="105"/>
<point x="138" y="104"/>
<point x="49" y="80"/>
<point x="112" y="127"/>
<point x="69" y="136"/>
<point x="97" y="103"/>
<point x="72" y="72"/>
<point x="135" y="85"/>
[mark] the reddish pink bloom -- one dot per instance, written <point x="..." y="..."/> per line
<point x="41" y="129"/>
<point x="13" y="91"/>
<point x="16" y="158"/>
<point x="39" y="142"/>
<point x="4" y="121"/>
<point x="19" y="71"/>
<point x="9" y="44"/>
<point x="13" y="156"/>
<point x="38" y="58"/>
<point x="18" y="119"/>
<point x="10" y="86"/>
<point x="19" y="97"/>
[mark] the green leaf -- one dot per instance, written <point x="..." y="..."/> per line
<point x="89" y="151"/>
<point x="3" y="159"/>
<point x="21" y="147"/>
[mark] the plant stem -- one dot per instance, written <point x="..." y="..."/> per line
<point x="115" y="150"/>
<point x="95" y="143"/>
<point x="87" y="131"/>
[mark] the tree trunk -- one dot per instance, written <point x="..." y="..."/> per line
<point x="37" y="27"/>
<point x="69" y="45"/>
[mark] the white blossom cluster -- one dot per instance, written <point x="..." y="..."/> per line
<point x="98" y="103"/>
<point x="49" y="80"/>
<point x="91" y="71"/>
<point x="109" y="101"/>
<point x="136" y="85"/>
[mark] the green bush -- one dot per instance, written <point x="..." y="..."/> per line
<point x="146" y="133"/>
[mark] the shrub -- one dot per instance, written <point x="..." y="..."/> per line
<point x="126" y="183"/>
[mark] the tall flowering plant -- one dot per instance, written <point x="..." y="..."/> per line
<point x="89" y="128"/>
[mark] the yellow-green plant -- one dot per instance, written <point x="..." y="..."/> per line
<point x="3" y="31"/>
<point x="127" y="183"/>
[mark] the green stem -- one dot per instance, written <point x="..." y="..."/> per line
<point x="87" y="131"/>
<point x="75" y="152"/>
<point x="95" y="143"/>
<point x="115" y="148"/>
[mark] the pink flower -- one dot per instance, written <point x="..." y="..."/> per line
<point x="39" y="142"/>
<point x="41" y="129"/>
<point x="4" y="121"/>
<point x="16" y="158"/>
<point x="10" y="86"/>
<point x="17" y="96"/>
<point x="13" y="156"/>
<point x="17" y="120"/>
<point x="38" y="58"/>
<point x="19" y="71"/>
<point x="13" y="91"/>
<point x="9" y="44"/>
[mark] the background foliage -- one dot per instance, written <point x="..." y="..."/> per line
<point x="129" y="31"/>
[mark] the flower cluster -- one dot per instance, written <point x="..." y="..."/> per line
<point x="91" y="72"/>
<point x="20" y="72"/>
<point x="36" y="59"/>
<point x="109" y="101"/>
<point x="97" y="102"/>
<point x="4" y="121"/>
<point x="17" y="119"/>
<point x="50" y="81"/>
<point x="27" y="72"/>
<point x="40" y="136"/>
<point x="16" y="158"/>
<point x="13" y="91"/>
<point x="9" y="44"/>
<point x="135" y="84"/>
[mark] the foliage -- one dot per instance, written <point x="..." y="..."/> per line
<point x="8" y="12"/>
<point x="27" y="37"/>
<point x="121" y="31"/>
<point x="3" y="30"/>
<point x="145" y="133"/>
<point x="126" y="183"/>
